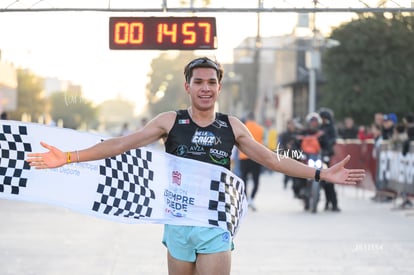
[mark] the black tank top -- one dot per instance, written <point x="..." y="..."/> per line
<point x="212" y="144"/>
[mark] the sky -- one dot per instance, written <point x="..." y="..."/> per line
<point x="74" y="46"/>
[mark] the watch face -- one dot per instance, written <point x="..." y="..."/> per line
<point x="162" y="33"/>
<point x="318" y="174"/>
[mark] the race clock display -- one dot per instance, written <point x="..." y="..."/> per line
<point x="162" y="33"/>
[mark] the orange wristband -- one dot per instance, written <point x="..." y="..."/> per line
<point x="68" y="159"/>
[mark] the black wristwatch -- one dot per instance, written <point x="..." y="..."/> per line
<point x="318" y="175"/>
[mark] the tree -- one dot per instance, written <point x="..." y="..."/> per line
<point x="372" y="69"/>
<point x="73" y="109"/>
<point x="165" y="91"/>
<point x="30" y="96"/>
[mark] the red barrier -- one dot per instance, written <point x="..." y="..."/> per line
<point x="361" y="157"/>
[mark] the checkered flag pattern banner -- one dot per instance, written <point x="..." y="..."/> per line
<point x="227" y="202"/>
<point x="125" y="186"/>
<point x="142" y="185"/>
<point x="13" y="167"/>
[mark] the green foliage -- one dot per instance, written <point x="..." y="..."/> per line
<point x="30" y="97"/>
<point x="372" y="69"/>
<point x="73" y="109"/>
<point x="165" y="91"/>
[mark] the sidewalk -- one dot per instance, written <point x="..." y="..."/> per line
<point x="280" y="238"/>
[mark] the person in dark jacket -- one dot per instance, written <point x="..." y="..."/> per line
<point x="349" y="130"/>
<point x="327" y="142"/>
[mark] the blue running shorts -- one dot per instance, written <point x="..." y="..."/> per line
<point x="185" y="242"/>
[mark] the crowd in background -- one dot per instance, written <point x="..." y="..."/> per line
<point x="384" y="127"/>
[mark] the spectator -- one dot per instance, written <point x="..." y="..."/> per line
<point x="408" y="121"/>
<point x="249" y="166"/>
<point x="376" y="135"/>
<point x="3" y="116"/>
<point x="364" y="133"/>
<point x="388" y="125"/>
<point x="271" y="135"/>
<point x="379" y="119"/>
<point x="328" y="138"/>
<point x="376" y="132"/>
<point x="400" y="135"/>
<point x="270" y="139"/>
<point x="349" y="131"/>
<point x="409" y="129"/>
<point x="327" y="141"/>
<point x="387" y="132"/>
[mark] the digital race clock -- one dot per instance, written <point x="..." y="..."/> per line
<point x="162" y="33"/>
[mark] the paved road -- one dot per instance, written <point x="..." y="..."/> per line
<point x="365" y="238"/>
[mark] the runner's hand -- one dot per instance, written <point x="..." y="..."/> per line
<point x="51" y="159"/>
<point x="339" y="174"/>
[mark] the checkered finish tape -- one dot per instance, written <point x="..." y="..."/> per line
<point x="12" y="162"/>
<point x="227" y="201"/>
<point x="123" y="189"/>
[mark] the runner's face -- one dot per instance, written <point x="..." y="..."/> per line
<point x="203" y="88"/>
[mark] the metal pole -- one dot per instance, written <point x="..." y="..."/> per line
<point x="312" y="87"/>
<point x="253" y="95"/>
<point x="312" y="67"/>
